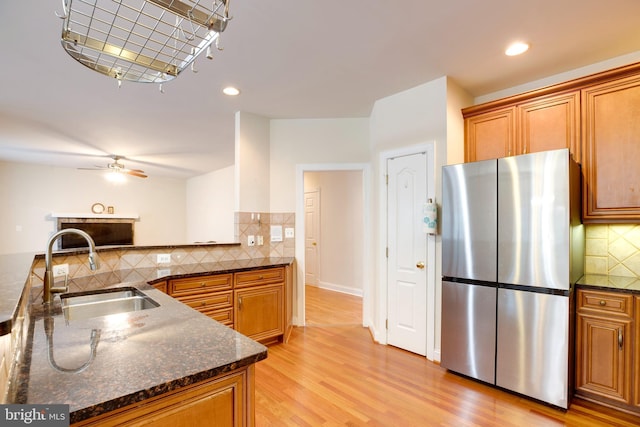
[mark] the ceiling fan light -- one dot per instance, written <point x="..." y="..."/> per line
<point x="115" y="177"/>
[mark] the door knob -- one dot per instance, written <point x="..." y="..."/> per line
<point x="314" y="243"/>
<point x="420" y="265"/>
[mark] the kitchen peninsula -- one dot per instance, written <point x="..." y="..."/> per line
<point x="163" y="363"/>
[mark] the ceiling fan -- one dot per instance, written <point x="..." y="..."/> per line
<point x="117" y="167"/>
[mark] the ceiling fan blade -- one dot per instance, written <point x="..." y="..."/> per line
<point x="135" y="173"/>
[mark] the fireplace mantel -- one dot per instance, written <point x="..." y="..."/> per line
<point x="92" y="215"/>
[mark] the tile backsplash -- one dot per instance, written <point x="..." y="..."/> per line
<point x="246" y="224"/>
<point x="613" y="249"/>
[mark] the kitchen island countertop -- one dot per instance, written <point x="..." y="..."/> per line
<point x="139" y="355"/>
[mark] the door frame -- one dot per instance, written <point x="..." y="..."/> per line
<point x="367" y="285"/>
<point x="381" y="331"/>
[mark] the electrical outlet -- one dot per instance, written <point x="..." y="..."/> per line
<point x="164" y="258"/>
<point x="260" y="240"/>
<point x="60" y="270"/>
<point x="288" y="233"/>
<point x="251" y="240"/>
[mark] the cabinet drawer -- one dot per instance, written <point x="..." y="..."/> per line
<point x="605" y="302"/>
<point x="218" y="282"/>
<point x="259" y="277"/>
<point x="223" y="316"/>
<point x="209" y="302"/>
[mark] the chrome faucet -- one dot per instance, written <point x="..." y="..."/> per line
<point x="49" y="288"/>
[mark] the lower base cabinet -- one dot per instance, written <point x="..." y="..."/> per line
<point x="225" y="401"/>
<point x="605" y="348"/>
<point x="257" y="303"/>
<point x="259" y="312"/>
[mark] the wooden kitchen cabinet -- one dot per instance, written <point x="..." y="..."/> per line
<point x="611" y="134"/>
<point x="636" y="359"/>
<point x="211" y="295"/>
<point x="604" y="347"/>
<point x="221" y="401"/>
<point x="257" y="303"/>
<point x="539" y="124"/>
<point x="597" y="117"/>
<point x="550" y="123"/>
<point x="490" y="135"/>
<point x="260" y="313"/>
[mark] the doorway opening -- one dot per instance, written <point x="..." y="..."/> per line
<point x="332" y="283"/>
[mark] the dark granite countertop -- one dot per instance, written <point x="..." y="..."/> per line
<point x="138" y="355"/>
<point x="142" y="354"/>
<point x="14" y="273"/>
<point x="610" y="283"/>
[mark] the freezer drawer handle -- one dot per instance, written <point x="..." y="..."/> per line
<point x="620" y="338"/>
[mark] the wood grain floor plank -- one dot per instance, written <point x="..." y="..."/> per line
<point x="338" y="376"/>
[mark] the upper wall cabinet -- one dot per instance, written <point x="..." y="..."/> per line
<point x="547" y="123"/>
<point x="597" y="117"/>
<point x="550" y="124"/>
<point x="490" y="135"/>
<point x="611" y="134"/>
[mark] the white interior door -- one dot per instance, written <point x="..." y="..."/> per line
<point x="311" y="236"/>
<point x="407" y="253"/>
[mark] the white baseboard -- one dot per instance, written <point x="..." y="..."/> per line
<point x="339" y="288"/>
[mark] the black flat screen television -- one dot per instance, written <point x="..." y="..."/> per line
<point x="102" y="233"/>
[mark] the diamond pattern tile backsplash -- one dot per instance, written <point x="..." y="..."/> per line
<point x="613" y="249"/>
<point x="129" y="259"/>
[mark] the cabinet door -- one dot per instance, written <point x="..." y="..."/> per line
<point x="260" y="312"/>
<point x="603" y="350"/>
<point x="636" y="355"/>
<point x="223" y="401"/>
<point x="611" y="135"/>
<point x="490" y="135"/>
<point x="550" y="124"/>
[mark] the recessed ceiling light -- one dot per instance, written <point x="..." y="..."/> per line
<point x="231" y="91"/>
<point x="516" y="48"/>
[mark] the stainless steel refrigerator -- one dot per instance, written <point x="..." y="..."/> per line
<point x="512" y="249"/>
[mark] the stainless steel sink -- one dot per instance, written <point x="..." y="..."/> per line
<point x="83" y="305"/>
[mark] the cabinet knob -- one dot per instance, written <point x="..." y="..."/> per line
<point x="603" y="302"/>
<point x="203" y="303"/>
<point x="261" y="277"/>
<point x="202" y="285"/>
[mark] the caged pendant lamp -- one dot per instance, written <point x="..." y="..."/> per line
<point x="149" y="41"/>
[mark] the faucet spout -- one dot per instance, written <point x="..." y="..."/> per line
<point x="49" y="288"/>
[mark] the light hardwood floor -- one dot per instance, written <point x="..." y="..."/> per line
<point x="326" y="308"/>
<point x="336" y="375"/>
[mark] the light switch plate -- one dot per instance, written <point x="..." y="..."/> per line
<point x="164" y="258"/>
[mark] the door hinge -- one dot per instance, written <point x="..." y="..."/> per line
<point x="387" y="252"/>
<point x="386" y="177"/>
<point x="386" y="324"/>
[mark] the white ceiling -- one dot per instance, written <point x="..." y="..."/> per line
<point x="291" y="59"/>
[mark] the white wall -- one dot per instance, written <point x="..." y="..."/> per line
<point x="426" y="113"/>
<point x="341" y="229"/>
<point x="309" y="141"/>
<point x="30" y="193"/>
<point x="252" y="163"/>
<point x="209" y="211"/>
